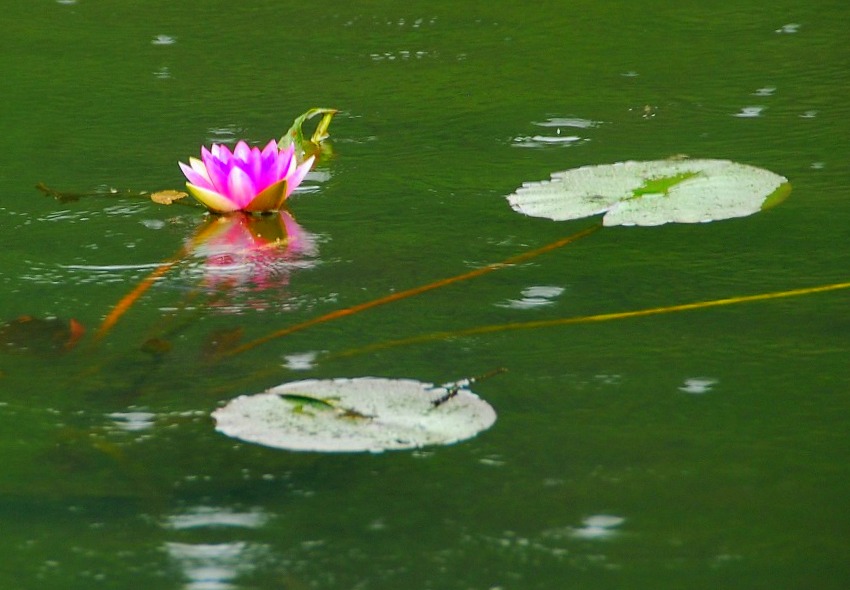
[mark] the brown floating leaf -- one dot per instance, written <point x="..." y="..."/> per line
<point x="167" y="197"/>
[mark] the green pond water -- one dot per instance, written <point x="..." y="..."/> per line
<point x="698" y="449"/>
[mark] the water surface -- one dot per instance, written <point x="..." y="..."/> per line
<point x="704" y="449"/>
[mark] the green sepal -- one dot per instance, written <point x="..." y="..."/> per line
<point x="271" y="199"/>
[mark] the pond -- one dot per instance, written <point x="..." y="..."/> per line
<point x="702" y="448"/>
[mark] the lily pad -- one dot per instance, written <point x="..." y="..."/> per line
<point x="355" y="415"/>
<point x="653" y="193"/>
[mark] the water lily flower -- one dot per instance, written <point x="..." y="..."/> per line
<point x="246" y="179"/>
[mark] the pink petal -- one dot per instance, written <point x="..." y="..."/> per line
<point x="270" y="149"/>
<point x="242" y="151"/>
<point x="288" y="158"/>
<point x="194" y="176"/>
<point x="295" y="179"/>
<point x="218" y="172"/>
<point x="240" y="187"/>
<point x="199" y="167"/>
<point x="220" y="152"/>
<point x="255" y="165"/>
<point x="275" y="171"/>
<point x="266" y="174"/>
<point x="249" y="159"/>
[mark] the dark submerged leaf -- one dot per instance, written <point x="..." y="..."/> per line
<point x="30" y="335"/>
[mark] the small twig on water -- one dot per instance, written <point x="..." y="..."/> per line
<point x="164" y="197"/>
<point x="452" y="389"/>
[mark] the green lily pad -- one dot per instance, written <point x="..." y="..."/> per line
<point x="653" y="193"/>
<point x="356" y="415"/>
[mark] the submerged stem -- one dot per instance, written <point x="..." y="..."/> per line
<point x="603" y="317"/>
<point x="130" y="298"/>
<point x="340" y="313"/>
<point x="166" y="197"/>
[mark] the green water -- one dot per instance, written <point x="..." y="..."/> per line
<point x="444" y="112"/>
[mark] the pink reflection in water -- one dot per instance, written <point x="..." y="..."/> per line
<point x="243" y="254"/>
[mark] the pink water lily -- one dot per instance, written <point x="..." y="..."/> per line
<point x="246" y="179"/>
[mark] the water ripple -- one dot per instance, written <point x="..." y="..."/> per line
<point x="534" y="297"/>
<point x="559" y="135"/>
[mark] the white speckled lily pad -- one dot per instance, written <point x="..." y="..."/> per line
<point x="653" y="193"/>
<point x="351" y="415"/>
